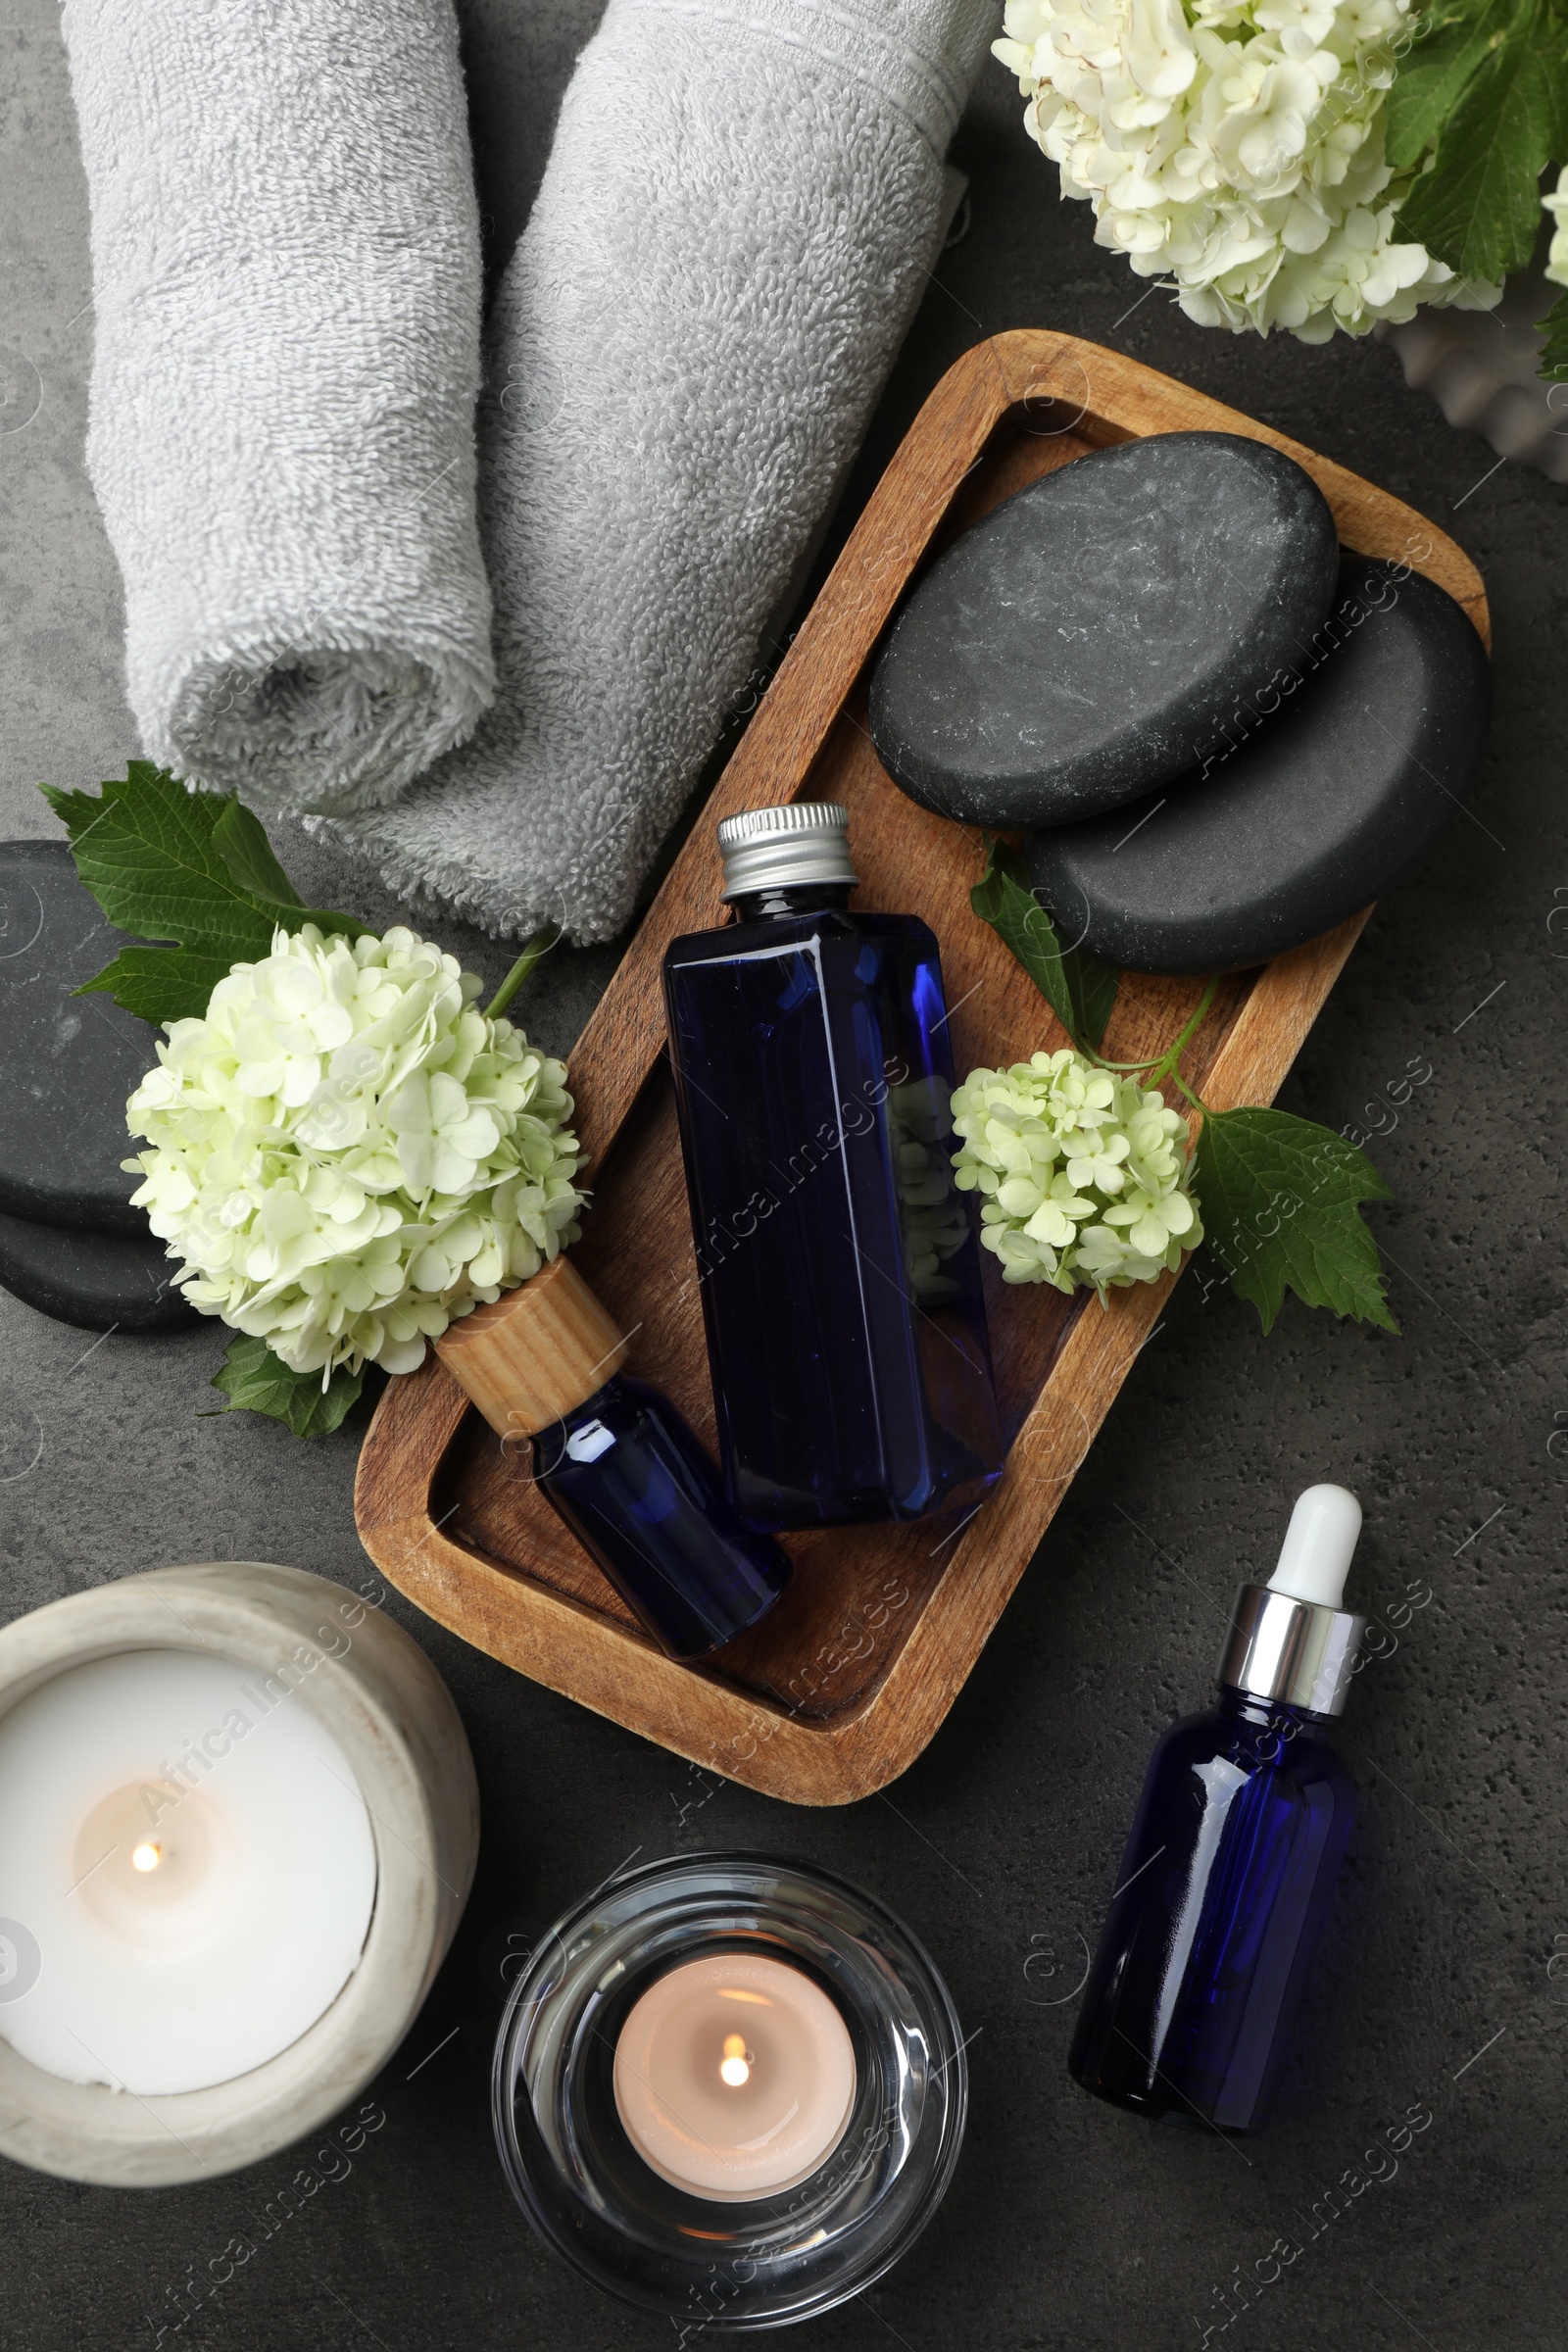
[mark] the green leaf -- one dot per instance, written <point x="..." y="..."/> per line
<point x="1080" y="988"/>
<point x="1554" y="327"/>
<point x="194" y="868"/>
<point x="145" y="849"/>
<point x="243" y="846"/>
<point x="255" y="1381"/>
<point x="1279" y="1201"/>
<point x="247" y="853"/>
<point x="1478" y="207"/>
<point x="1434" y="78"/>
<point x="161" y="984"/>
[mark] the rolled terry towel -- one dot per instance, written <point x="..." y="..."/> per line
<point x="740" y="208"/>
<point x="286" y="278"/>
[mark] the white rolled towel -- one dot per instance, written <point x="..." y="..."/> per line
<point x="287" y="284"/>
<point x="740" y="210"/>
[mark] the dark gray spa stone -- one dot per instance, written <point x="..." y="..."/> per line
<point x="1352" y="767"/>
<point x="1088" y="638"/>
<point x="66" y="1063"/>
<point x="102" y="1281"/>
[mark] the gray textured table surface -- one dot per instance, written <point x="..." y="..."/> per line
<point x="1069" y="2224"/>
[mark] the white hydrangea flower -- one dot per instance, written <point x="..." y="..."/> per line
<point x="1235" y="147"/>
<point x="1556" y="203"/>
<point x="346" y="1153"/>
<point x="1082" y="1173"/>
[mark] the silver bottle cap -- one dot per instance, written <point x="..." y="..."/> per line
<point x="1295" y="1651"/>
<point x="768" y="849"/>
<point x="1290" y="1640"/>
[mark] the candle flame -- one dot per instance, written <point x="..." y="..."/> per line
<point x="146" y="1856"/>
<point x="735" y="2067"/>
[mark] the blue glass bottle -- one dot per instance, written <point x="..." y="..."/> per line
<point x="614" y="1461"/>
<point x="639" y="1493"/>
<point x="839" y="1268"/>
<point x="1230" y="1869"/>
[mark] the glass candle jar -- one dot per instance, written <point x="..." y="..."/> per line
<point x="709" y="1973"/>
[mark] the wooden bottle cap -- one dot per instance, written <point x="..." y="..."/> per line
<point x="537" y="1353"/>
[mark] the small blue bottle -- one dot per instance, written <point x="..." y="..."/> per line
<point x="839" y="1268"/>
<point x="638" y="1492"/>
<point x="615" y="1461"/>
<point x="1230" y="1869"/>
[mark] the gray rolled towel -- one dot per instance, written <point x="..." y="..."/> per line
<point x="740" y="210"/>
<point x="286" y="283"/>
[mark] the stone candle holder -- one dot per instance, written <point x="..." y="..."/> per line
<point x="395" y="1721"/>
<point x="729" y="2266"/>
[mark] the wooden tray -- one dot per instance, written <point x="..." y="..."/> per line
<point x="839" y="1690"/>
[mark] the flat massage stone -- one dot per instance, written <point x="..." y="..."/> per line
<point x="102" y="1281"/>
<point x="67" y="1063"/>
<point x="1088" y="638"/>
<point x="1336" y="792"/>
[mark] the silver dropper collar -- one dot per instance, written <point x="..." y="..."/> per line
<point x="772" y="849"/>
<point x="1290" y="1640"/>
<point x="1296" y="1651"/>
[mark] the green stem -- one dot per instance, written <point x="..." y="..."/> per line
<point x="1167" y="1064"/>
<point x="1161" y="1065"/>
<point x="1196" y="1100"/>
<point x="537" y="948"/>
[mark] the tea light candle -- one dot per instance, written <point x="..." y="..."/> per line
<point x="187" y="1845"/>
<point x="735" y="2076"/>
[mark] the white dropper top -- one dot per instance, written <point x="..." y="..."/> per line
<point x="1319" y="1546"/>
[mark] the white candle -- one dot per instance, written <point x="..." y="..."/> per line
<point x="735" y="2076"/>
<point x="184" y="1845"/>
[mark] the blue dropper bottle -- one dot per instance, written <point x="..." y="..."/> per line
<point x="1230" y="1868"/>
